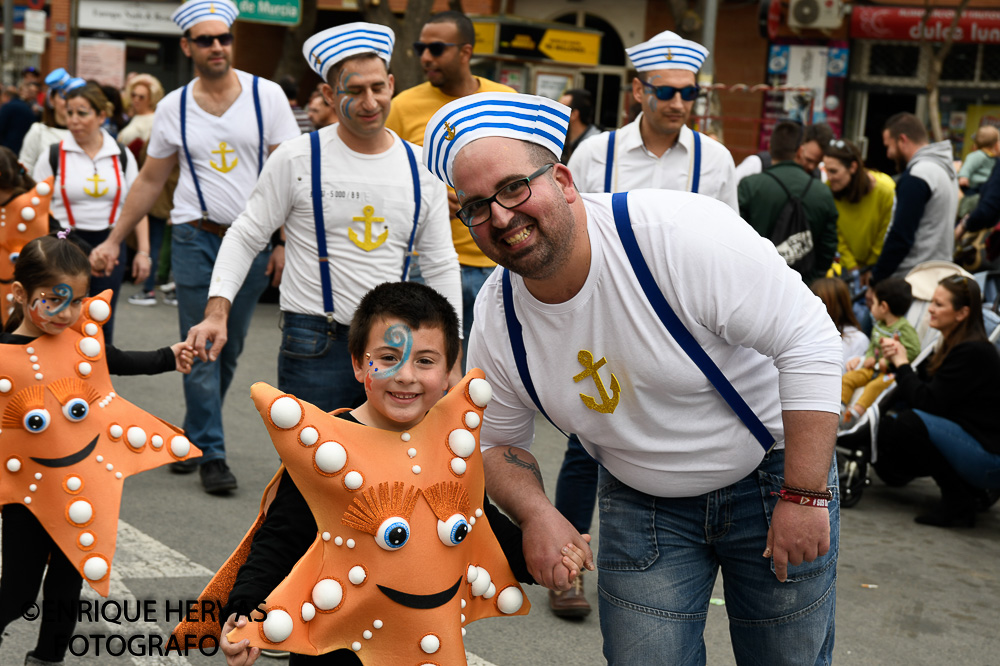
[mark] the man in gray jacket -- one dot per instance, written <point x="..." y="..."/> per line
<point x="926" y="199"/>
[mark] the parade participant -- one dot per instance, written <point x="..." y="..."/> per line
<point x="52" y="128"/>
<point x="321" y="114"/>
<point x="354" y="192"/>
<point x="93" y="175"/>
<point x="688" y="484"/>
<point x="50" y="407"/>
<point x="445" y="48"/>
<point x="658" y="150"/>
<point x="581" y="121"/>
<point x="221" y="127"/>
<point x="404" y="337"/>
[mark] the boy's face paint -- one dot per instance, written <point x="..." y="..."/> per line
<point x="53" y="309"/>
<point x="404" y="372"/>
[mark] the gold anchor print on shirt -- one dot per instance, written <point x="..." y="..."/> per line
<point x="368" y="244"/>
<point x="449" y="132"/>
<point x="223" y="150"/>
<point x="97" y="192"/>
<point x="608" y="403"/>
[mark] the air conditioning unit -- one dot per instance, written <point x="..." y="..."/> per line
<point x="815" y="14"/>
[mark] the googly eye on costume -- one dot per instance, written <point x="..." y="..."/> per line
<point x="14" y="256"/>
<point x="76" y="409"/>
<point x="454" y="530"/>
<point x="393" y="533"/>
<point x="37" y="420"/>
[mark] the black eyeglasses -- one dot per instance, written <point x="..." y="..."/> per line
<point x="666" y="93"/>
<point x="436" y="48"/>
<point x="206" y="41"/>
<point x="509" y="196"/>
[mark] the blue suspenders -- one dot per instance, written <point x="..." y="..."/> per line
<point x="187" y="153"/>
<point x="609" y="162"/>
<point x="674" y="326"/>
<point x="317" y="202"/>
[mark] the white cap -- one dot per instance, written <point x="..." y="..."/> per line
<point x="667" y="51"/>
<point x="196" y="11"/>
<point x="325" y="49"/>
<point x="513" y="115"/>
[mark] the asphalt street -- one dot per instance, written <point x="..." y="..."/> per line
<point x="907" y="594"/>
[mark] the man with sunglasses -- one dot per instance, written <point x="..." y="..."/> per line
<point x="220" y="128"/>
<point x="688" y="358"/>
<point x="658" y="150"/>
<point x="445" y="48"/>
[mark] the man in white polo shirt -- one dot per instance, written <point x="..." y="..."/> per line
<point x="377" y="204"/>
<point x="221" y="127"/>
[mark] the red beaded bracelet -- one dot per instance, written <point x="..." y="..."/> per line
<point x="802" y="500"/>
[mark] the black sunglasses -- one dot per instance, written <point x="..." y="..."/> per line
<point x="436" y="48"/>
<point x="206" y="41"/>
<point x="666" y="93"/>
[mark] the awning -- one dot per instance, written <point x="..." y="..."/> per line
<point x="903" y="23"/>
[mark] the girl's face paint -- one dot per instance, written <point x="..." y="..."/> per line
<point x="51" y="309"/>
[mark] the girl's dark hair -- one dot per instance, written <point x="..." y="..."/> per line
<point x="837" y="298"/>
<point x="416" y="304"/>
<point x="964" y="292"/>
<point x="42" y="261"/>
<point x="847" y="153"/>
<point x="12" y="174"/>
<point x="49" y="111"/>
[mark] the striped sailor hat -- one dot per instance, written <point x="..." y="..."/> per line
<point x="72" y="84"/>
<point x="667" y="51"/>
<point x="325" y="49"/>
<point x="512" y="115"/>
<point x="193" y="12"/>
<point x="57" y="79"/>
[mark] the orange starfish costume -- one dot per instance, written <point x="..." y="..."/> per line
<point x="57" y="401"/>
<point x="24" y="218"/>
<point x="404" y="556"/>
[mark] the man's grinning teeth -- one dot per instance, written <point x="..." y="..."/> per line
<point x="518" y="237"/>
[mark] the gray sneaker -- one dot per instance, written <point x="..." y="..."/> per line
<point x="145" y="298"/>
<point x="170" y="298"/>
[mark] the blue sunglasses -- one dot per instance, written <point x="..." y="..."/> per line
<point x="666" y="93"/>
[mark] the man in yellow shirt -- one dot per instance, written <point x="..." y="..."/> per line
<point x="445" y="49"/>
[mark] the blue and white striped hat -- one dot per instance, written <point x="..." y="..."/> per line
<point x="57" y="78"/>
<point x="513" y="115"/>
<point x="196" y="11"/>
<point x="667" y="51"/>
<point x="325" y="49"/>
<point x="72" y="84"/>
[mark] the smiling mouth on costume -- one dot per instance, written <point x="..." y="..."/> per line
<point x="421" y="601"/>
<point x="71" y="459"/>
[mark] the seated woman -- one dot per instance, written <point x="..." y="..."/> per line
<point x="948" y="431"/>
<point x="837" y="298"/>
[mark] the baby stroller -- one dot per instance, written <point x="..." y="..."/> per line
<point x="857" y="446"/>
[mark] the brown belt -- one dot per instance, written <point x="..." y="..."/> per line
<point x="209" y="226"/>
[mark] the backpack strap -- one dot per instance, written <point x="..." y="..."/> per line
<point x="411" y="158"/>
<point x="609" y="162"/>
<point x="676" y="328"/>
<point x="123" y="157"/>
<point x="54" y="157"/>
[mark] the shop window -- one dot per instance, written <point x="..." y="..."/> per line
<point x="894" y="60"/>
<point x="991" y="63"/>
<point x="960" y="65"/>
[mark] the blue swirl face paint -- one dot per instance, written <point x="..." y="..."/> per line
<point x="345" y="104"/>
<point x="63" y="291"/>
<point x="398" y="335"/>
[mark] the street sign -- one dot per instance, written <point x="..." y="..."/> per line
<point x="276" y="12"/>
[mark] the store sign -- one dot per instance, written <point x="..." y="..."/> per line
<point x="277" y="12"/>
<point x="540" y="43"/>
<point x="975" y="26"/>
<point x="148" y="17"/>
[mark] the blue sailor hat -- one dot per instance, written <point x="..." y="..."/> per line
<point x="72" y="84"/>
<point x="194" y="12"/>
<point x="325" y="49"/>
<point x="667" y="51"/>
<point x="57" y="79"/>
<point x="513" y="115"/>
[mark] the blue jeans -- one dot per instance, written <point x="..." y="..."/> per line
<point x="193" y="254"/>
<point x="314" y="363"/>
<point x="659" y="557"/>
<point x="112" y="282"/>
<point x="157" y="227"/>
<point x="964" y="453"/>
<point x="473" y="278"/>
<point x="576" y="488"/>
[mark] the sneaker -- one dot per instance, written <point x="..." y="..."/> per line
<point x="31" y="660"/>
<point x="572" y="602"/>
<point x="170" y="297"/>
<point x="169" y="286"/>
<point x="185" y="466"/>
<point x="216" y="477"/>
<point x="142" y="298"/>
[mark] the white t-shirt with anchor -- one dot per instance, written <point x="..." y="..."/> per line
<point x="605" y="367"/>
<point x="92" y="185"/>
<point x="223" y="148"/>
<point x="368" y="216"/>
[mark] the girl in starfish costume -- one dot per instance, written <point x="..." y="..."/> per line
<point x="55" y="396"/>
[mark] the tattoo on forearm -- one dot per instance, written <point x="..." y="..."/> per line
<point x="512" y="458"/>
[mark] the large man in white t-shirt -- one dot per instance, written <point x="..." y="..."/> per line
<point x="370" y="219"/>
<point x="608" y="314"/>
<point x="221" y="127"/>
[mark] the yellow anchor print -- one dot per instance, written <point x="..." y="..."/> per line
<point x="368" y="244"/>
<point x="97" y="192"/>
<point x="226" y="167"/>
<point x="670" y="54"/>
<point x="449" y="132"/>
<point x="608" y="403"/>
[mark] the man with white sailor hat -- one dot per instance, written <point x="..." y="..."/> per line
<point x="221" y="127"/>
<point x="693" y="365"/>
<point x="657" y="149"/>
<point x="355" y="202"/>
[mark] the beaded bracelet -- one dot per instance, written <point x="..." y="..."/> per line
<point x="818" y="494"/>
<point x="801" y="500"/>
